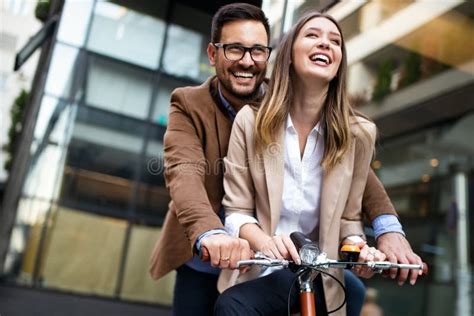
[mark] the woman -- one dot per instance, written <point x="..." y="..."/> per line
<point x="298" y="164"/>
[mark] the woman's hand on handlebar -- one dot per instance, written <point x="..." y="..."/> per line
<point x="368" y="254"/>
<point x="280" y="247"/>
<point x="276" y="247"/>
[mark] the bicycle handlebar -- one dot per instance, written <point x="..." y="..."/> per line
<point x="323" y="262"/>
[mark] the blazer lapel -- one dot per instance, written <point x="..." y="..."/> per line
<point x="333" y="182"/>
<point x="273" y="160"/>
<point x="223" y="129"/>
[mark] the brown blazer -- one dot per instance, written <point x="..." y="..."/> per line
<point x="195" y="143"/>
<point x="254" y="186"/>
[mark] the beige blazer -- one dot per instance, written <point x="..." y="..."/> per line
<point x="253" y="186"/>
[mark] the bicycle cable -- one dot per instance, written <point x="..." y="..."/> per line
<point x="298" y="274"/>
<point x="343" y="289"/>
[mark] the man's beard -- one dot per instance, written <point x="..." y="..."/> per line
<point x="251" y="95"/>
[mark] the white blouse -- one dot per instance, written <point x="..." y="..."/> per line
<point x="302" y="183"/>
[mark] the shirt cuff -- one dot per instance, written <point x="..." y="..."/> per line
<point x="234" y="221"/>
<point x="205" y="234"/>
<point x="386" y="224"/>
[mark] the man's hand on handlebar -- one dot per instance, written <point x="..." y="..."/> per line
<point x="352" y="256"/>
<point x="224" y="251"/>
<point x="398" y="250"/>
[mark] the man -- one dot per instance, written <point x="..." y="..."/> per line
<point x="195" y="143"/>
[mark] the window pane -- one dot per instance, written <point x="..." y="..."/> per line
<point x="153" y="198"/>
<point x="118" y="88"/>
<point x="185" y="51"/>
<point x="127" y="35"/>
<point x="53" y="121"/>
<point x="24" y="242"/>
<point x="60" y="75"/>
<point x="95" y="243"/>
<point x="101" y="160"/>
<point x="42" y="179"/>
<point x="74" y="21"/>
<point x="162" y="102"/>
<point x="137" y="284"/>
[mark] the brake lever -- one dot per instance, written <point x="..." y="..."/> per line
<point x="262" y="260"/>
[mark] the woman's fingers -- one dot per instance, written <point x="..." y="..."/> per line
<point x="290" y="246"/>
<point x="270" y="249"/>
<point x="281" y="247"/>
<point x="278" y="241"/>
<point x="368" y="254"/>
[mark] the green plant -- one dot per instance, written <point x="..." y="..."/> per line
<point x="384" y="79"/>
<point x="411" y="70"/>
<point x="16" y="116"/>
<point x="42" y="10"/>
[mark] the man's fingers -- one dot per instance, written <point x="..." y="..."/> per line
<point x="413" y="276"/>
<point x="402" y="273"/>
<point x="415" y="273"/>
<point x="227" y="252"/>
<point x="241" y="252"/>
<point x="215" y="254"/>
<point x="205" y="254"/>
<point x="224" y="251"/>
<point x="393" y="259"/>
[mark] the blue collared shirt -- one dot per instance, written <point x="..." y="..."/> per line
<point x="386" y="224"/>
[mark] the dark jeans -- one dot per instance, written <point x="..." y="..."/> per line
<point x="269" y="296"/>
<point x="355" y="293"/>
<point x="263" y="296"/>
<point x="194" y="292"/>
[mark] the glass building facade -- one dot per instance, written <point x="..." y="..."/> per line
<point x="94" y="197"/>
<point x="411" y="69"/>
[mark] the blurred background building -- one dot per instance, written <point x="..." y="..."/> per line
<point x="85" y="198"/>
<point x="18" y="23"/>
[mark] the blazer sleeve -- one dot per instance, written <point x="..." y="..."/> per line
<point x="375" y="201"/>
<point x="351" y="221"/>
<point x="238" y="184"/>
<point x="185" y="170"/>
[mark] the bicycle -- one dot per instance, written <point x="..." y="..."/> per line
<point x="314" y="262"/>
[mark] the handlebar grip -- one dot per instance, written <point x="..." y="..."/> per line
<point x="299" y="239"/>
<point x="425" y="270"/>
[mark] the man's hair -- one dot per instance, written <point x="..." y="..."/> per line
<point x="235" y="12"/>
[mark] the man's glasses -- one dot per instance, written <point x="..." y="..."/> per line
<point x="235" y="52"/>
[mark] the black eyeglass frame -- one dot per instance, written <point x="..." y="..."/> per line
<point x="246" y="49"/>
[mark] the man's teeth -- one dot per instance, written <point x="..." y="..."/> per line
<point x="243" y="74"/>
<point x="320" y="57"/>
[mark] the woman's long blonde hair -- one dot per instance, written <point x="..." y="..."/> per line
<point x="276" y="104"/>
